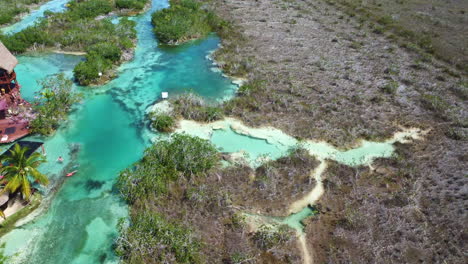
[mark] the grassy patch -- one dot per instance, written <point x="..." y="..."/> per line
<point x="150" y="237"/>
<point x="182" y="21"/>
<point x="165" y="162"/>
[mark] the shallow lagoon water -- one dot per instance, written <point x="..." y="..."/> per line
<point x="79" y="226"/>
<point x="229" y="141"/>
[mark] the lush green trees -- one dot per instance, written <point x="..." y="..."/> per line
<point x="109" y="51"/>
<point x="89" y="9"/>
<point x="182" y="21"/>
<point x="165" y="162"/>
<point x="12" y="8"/>
<point x="55" y="100"/>
<point x="78" y="29"/>
<point x="20" y="169"/>
<point x="87" y="71"/>
<point x="131" y="4"/>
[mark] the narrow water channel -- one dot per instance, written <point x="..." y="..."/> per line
<point x="110" y="129"/>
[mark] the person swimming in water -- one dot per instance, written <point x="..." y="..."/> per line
<point x="60" y="159"/>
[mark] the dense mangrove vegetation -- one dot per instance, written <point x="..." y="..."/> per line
<point x="53" y="103"/>
<point x="184" y="20"/>
<point x="85" y="27"/>
<point x="12" y="8"/>
<point x="168" y="163"/>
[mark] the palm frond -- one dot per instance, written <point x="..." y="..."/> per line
<point x="41" y="178"/>
<point x="26" y="188"/>
<point x="13" y="184"/>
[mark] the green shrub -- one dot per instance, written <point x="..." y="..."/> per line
<point x="12" y="8"/>
<point x="163" y="163"/>
<point x="54" y="102"/>
<point x="6" y="17"/>
<point x="162" y="122"/>
<point x="188" y="155"/>
<point x="86" y="72"/>
<point x="182" y="21"/>
<point x="76" y="29"/>
<point x="162" y="241"/>
<point x="90" y="8"/>
<point x="108" y="51"/>
<point x="131" y="4"/>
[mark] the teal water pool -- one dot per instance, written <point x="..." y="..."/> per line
<point x="254" y="148"/>
<point x="79" y="225"/>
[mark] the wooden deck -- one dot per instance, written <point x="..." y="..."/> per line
<point x="11" y="130"/>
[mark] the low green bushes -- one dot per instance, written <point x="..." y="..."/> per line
<point x="162" y="122"/>
<point x="151" y="238"/>
<point x="165" y="162"/>
<point x="109" y="51"/>
<point x="12" y="8"/>
<point x="183" y="20"/>
<point x="55" y="101"/>
<point x="87" y="71"/>
<point x="89" y="9"/>
<point x="77" y="29"/>
<point x="131" y="4"/>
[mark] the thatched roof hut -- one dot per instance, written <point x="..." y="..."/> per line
<point x="7" y="61"/>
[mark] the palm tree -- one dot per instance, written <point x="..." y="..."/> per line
<point x="19" y="169"/>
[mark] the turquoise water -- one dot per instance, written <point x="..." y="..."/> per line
<point x="31" y="18"/>
<point x="32" y="69"/>
<point x="295" y="220"/>
<point x="229" y="141"/>
<point x="109" y="126"/>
